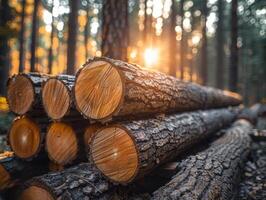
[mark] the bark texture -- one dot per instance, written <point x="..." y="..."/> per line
<point x="161" y="139"/>
<point x="115" y="35"/>
<point x="81" y="182"/>
<point x="19" y="170"/>
<point x="147" y="92"/>
<point x="36" y="79"/>
<point x="213" y="173"/>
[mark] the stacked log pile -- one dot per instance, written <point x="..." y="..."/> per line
<point x="104" y="130"/>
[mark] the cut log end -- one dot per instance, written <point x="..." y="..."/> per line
<point x="5" y="179"/>
<point x="20" y="94"/>
<point x="56" y="108"/>
<point x="35" y="192"/>
<point x="25" y="138"/>
<point x="98" y="90"/>
<point x="114" y="153"/>
<point x="90" y="132"/>
<point x="61" y="143"/>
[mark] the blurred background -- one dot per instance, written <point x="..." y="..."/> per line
<point x="220" y="43"/>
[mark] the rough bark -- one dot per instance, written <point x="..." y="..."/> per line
<point x="18" y="171"/>
<point x="160" y="140"/>
<point x="182" y="42"/>
<point x="34" y="35"/>
<point x="147" y="92"/>
<point x="233" y="70"/>
<point x="115" y="35"/>
<point x="21" y="37"/>
<point x="36" y="79"/>
<point x="81" y="182"/>
<point x="72" y="36"/>
<point x="213" y="173"/>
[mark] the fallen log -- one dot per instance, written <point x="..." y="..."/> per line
<point x="213" y="173"/>
<point x="65" y="142"/>
<point x="79" y="182"/>
<point x="128" y="150"/>
<point x="106" y="88"/>
<point x="24" y="93"/>
<point x="57" y="97"/>
<point x="14" y="170"/>
<point x="26" y="137"/>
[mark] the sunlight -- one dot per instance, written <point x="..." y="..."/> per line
<point x="151" y="56"/>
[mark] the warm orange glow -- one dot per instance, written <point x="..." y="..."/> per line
<point x="151" y="56"/>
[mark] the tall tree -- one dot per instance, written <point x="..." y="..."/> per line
<point x="204" y="64"/>
<point x="115" y="35"/>
<point x="173" y="42"/>
<point x="34" y="35"/>
<point x="86" y="33"/>
<point x="182" y="42"/>
<point x="5" y="17"/>
<point x="50" y="54"/>
<point x="220" y="46"/>
<point x="72" y="36"/>
<point x="233" y="68"/>
<point x="21" y="37"/>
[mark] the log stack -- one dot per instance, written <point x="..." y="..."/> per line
<point x="122" y="122"/>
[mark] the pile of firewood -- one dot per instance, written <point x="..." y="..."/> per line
<point x="95" y="134"/>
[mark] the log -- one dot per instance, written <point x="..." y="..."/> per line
<point x="106" y="89"/>
<point x="213" y="173"/>
<point x="57" y="97"/>
<point x="23" y="93"/>
<point x="14" y="171"/>
<point x="79" y="182"/>
<point x="26" y="137"/>
<point x="65" y="142"/>
<point x="128" y="150"/>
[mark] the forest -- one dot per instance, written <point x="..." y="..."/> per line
<point x="220" y="43"/>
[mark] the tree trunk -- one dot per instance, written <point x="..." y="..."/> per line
<point x="182" y="42"/>
<point x="34" y="36"/>
<point x="21" y="38"/>
<point x="213" y="173"/>
<point x="233" y="70"/>
<point x="5" y="16"/>
<point x="173" y="42"/>
<point x="107" y="89"/>
<point x="57" y="97"/>
<point x="50" y="54"/>
<point x="14" y="170"/>
<point x="72" y="36"/>
<point x="86" y="34"/>
<point x="220" y="46"/>
<point x="24" y="93"/>
<point x="115" y="35"/>
<point x="126" y="151"/>
<point x="26" y="137"/>
<point x="204" y="61"/>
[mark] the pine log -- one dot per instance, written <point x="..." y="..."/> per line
<point x="79" y="182"/>
<point x="57" y="97"/>
<point x="128" y="150"/>
<point x="24" y="93"/>
<point x="106" y="88"/>
<point x="65" y="142"/>
<point x="26" y="137"/>
<point x="213" y="173"/>
<point x="14" y="170"/>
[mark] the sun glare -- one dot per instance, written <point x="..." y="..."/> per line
<point x="151" y="56"/>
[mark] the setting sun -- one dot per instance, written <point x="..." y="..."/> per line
<point x="151" y="56"/>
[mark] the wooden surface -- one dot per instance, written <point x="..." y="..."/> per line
<point x="213" y="173"/>
<point x="61" y="143"/>
<point x="90" y="132"/>
<point x="107" y="88"/>
<point x="25" y="137"/>
<point x="5" y="179"/>
<point x="34" y="193"/>
<point x="129" y="150"/>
